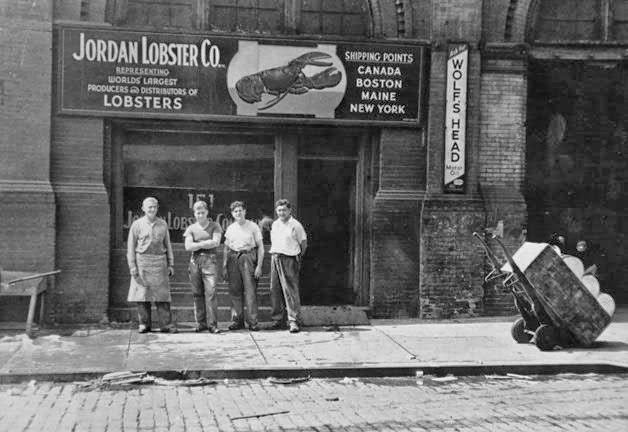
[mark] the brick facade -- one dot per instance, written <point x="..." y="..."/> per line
<point x="82" y="245"/>
<point x="423" y="259"/>
<point x="27" y="205"/>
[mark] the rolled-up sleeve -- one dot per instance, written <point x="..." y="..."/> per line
<point x="130" y="247"/>
<point x="169" y="248"/>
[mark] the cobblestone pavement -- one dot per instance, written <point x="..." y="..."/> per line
<point x="488" y="403"/>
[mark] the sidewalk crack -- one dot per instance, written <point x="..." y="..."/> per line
<point x="258" y="348"/>
<point x="128" y="347"/>
<point x="395" y="342"/>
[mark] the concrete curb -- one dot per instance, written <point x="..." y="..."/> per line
<point x="356" y="371"/>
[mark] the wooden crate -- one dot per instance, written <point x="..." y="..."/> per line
<point x="565" y="299"/>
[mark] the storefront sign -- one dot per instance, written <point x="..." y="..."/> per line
<point x="175" y="206"/>
<point x="456" y="118"/>
<point x="109" y="72"/>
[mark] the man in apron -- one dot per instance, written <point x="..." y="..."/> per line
<point x="151" y="262"/>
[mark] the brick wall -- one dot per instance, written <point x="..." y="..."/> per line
<point x="27" y="207"/>
<point x="503" y="111"/>
<point x="395" y="223"/>
<point x="502" y="151"/>
<point x="82" y="245"/>
<point x="456" y="20"/>
<point x="451" y="267"/>
<point x="452" y="263"/>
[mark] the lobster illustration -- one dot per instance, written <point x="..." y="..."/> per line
<point x="289" y="79"/>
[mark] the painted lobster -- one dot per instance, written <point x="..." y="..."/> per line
<point x="289" y="79"/>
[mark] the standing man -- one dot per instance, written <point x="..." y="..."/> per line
<point x="288" y="245"/>
<point x="202" y="239"/>
<point x="242" y="262"/>
<point x="151" y="262"/>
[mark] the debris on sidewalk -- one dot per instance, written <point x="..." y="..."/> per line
<point x="332" y="398"/>
<point x="347" y="380"/>
<point x="332" y="328"/>
<point x="509" y="376"/>
<point x="127" y="379"/>
<point x="446" y="378"/>
<point x="259" y="415"/>
<point x="494" y="376"/>
<point x="185" y="383"/>
<point x="518" y="376"/>
<point x="296" y="380"/>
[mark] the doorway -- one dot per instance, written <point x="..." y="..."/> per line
<point x="326" y="185"/>
<point x="326" y="196"/>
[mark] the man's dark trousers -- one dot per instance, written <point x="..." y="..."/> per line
<point x="242" y="283"/>
<point x="284" y="288"/>
<point x="202" y="271"/>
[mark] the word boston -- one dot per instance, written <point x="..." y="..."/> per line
<point x="138" y="74"/>
<point x="383" y="82"/>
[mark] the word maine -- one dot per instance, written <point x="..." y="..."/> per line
<point x="146" y="52"/>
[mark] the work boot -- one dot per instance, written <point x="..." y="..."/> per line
<point x="200" y="328"/>
<point x="169" y="329"/>
<point x="294" y="328"/>
<point x="236" y="325"/>
<point x="143" y="328"/>
<point x="214" y="330"/>
<point x="278" y="325"/>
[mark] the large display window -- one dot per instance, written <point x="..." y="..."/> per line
<point x="327" y="176"/>
<point x="180" y="168"/>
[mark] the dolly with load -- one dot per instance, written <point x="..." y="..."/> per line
<point x="557" y="308"/>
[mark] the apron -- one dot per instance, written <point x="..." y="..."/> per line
<point x="152" y="284"/>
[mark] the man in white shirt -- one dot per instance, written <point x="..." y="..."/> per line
<point x="288" y="245"/>
<point x="242" y="264"/>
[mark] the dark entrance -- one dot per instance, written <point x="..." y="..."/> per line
<point x="577" y="161"/>
<point x="326" y="207"/>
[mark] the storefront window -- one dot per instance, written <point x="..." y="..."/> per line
<point x="179" y="168"/>
<point x="581" y="20"/>
<point x="160" y="13"/>
<point x="319" y="17"/>
<point x="334" y="17"/>
<point x="266" y="16"/>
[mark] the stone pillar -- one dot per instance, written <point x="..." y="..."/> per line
<point x="77" y="161"/>
<point x="503" y="153"/>
<point x="395" y="235"/>
<point x="83" y="220"/>
<point x="451" y="266"/>
<point x="27" y="207"/>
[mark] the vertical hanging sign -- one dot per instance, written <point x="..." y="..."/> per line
<point x="456" y="118"/>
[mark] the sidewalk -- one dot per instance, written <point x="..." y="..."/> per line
<point x="383" y="348"/>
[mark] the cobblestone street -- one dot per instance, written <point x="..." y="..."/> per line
<point x="486" y="403"/>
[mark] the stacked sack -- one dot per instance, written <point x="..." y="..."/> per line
<point x="589" y="280"/>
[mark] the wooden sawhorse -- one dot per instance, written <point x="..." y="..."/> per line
<point x="26" y="284"/>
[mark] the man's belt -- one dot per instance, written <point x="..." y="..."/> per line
<point x="240" y="252"/>
<point x="205" y="252"/>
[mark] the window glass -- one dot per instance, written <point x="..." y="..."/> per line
<point x="338" y="17"/>
<point x="178" y="169"/>
<point x="620" y="20"/>
<point x="568" y="20"/>
<point x="264" y="16"/>
<point x="161" y="13"/>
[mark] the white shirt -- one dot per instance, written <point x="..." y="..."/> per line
<point x="242" y="237"/>
<point x="286" y="237"/>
